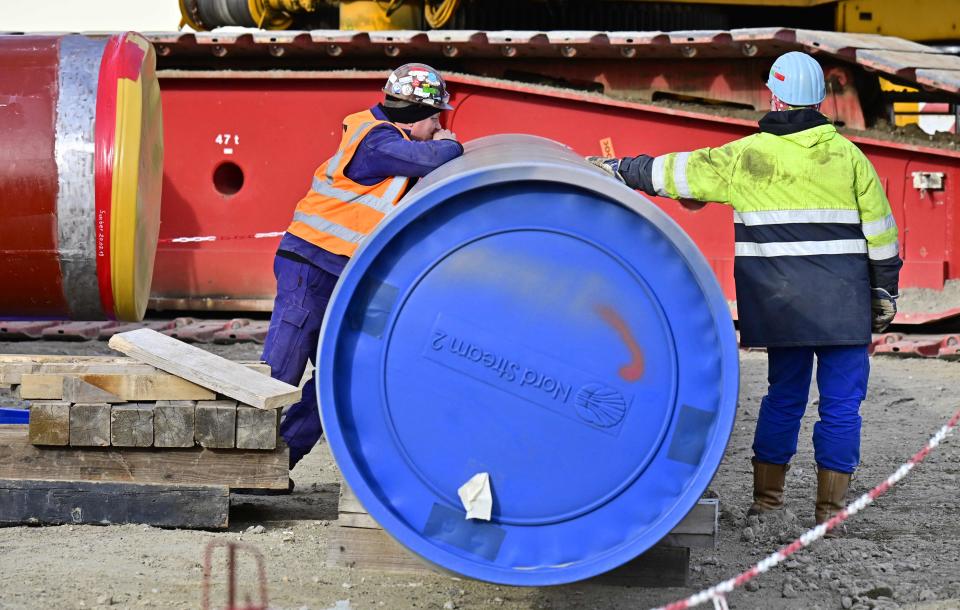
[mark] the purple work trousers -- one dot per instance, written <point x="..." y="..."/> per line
<point x="303" y="291"/>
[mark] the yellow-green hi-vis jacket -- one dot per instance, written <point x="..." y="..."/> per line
<point x="813" y="227"/>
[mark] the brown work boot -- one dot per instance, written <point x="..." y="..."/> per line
<point x="831" y="493"/>
<point x="767" y="486"/>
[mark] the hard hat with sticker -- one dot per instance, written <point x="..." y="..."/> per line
<point x="418" y="84"/>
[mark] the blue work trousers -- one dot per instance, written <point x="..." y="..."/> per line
<point x="842" y="373"/>
<point x="303" y="292"/>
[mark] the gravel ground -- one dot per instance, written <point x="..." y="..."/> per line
<point x="901" y="552"/>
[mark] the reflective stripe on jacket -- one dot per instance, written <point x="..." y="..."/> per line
<point x="338" y="213"/>
<point x="814" y="230"/>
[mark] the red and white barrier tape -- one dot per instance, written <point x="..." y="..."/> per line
<point x="717" y="593"/>
<point x="199" y="238"/>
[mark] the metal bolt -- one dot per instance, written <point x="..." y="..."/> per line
<point x="391" y="50"/>
<point x="163" y="50"/>
<point x="568" y="51"/>
<point x="276" y="50"/>
<point x="749" y="49"/>
<point x="334" y="49"/>
<point x="688" y="51"/>
<point x="450" y="51"/>
<point x="219" y="50"/>
<point x="509" y="50"/>
<point x="628" y="52"/>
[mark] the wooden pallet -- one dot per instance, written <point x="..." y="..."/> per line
<point x="357" y="541"/>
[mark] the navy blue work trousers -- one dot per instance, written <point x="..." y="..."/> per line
<point x="842" y="373"/>
<point x="303" y="292"/>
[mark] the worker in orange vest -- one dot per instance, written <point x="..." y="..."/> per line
<point x="383" y="150"/>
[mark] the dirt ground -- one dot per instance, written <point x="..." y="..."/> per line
<point x="904" y="551"/>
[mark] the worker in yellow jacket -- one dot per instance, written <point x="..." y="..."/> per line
<point x="382" y="151"/>
<point x="817" y="268"/>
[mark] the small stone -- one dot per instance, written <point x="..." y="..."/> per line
<point x="747" y="535"/>
<point x="846" y="602"/>
<point x="788" y="591"/>
<point x="255" y="529"/>
<point x="879" y="590"/>
<point x="287" y="537"/>
<point x="105" y="600"/>
<point x="752" y="586"/>
<point x="448" y="605"/>
<point x="753" y="520"/>
<point x="347" y="585"/>
<point x="154" y="591"/>
<point x="792" y="565"/>
<point x="926" y="595"/>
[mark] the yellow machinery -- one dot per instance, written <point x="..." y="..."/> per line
<point x="921" y="20"/>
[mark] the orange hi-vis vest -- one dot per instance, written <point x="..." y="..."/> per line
<point x="338" y="213"/>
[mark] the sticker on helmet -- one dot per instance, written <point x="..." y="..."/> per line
<point x="406" y="79"/>
<point x="393" y="77"/>
<point x="432" y="77"/>
<point x="406" y="89"/>
<point x="397" y="87"/>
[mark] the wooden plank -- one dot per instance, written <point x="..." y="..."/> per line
<point x="363" y="520"/>
<point x="370" y="549"/>
<point x="38" y="386"/>
<point x="215" y="424"/>
<point x="205" y="369"/>
<point x="699" y="529"/>
<point x="13" y="367"/>
<point x="374" y="549"/>
<point x="257" y="428"/>
<point x="50" y="423"/>
<point x="349" y="503"/>
<point x="132" y="383"/>
<point x="58" y="502"/>
<point x="235" y="468"/>
<point x="131" y="425"/>
<point x="660" y="566"/>
<point x="173" y="423"/>
<point x="76" y="389"/>
<point x="351" y="512"/>
<point x="14" y="373"/>
<point x="90" y="425"/>
<point x="160" y="386"/>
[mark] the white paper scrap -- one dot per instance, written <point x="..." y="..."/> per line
<point x="476" y="496"/>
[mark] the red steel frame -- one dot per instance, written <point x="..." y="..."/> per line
<point x="277" y="127"/>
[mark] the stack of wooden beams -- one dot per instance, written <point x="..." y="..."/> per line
<point x="166" y="422"/>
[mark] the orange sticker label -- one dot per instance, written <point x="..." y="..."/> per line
<point x="606" y="148"/>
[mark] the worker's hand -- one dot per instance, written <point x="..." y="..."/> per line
<point x="883" y="308"/>
<point x="609" y="165"/>
<point x="445" y="134"/>
<point x="692" y="204"/>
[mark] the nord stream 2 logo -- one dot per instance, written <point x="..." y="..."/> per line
<point x="528" y="374"/>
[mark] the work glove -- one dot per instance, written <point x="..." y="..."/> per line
<point x="883" y="308"/>
<point x="610" y="166"/>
